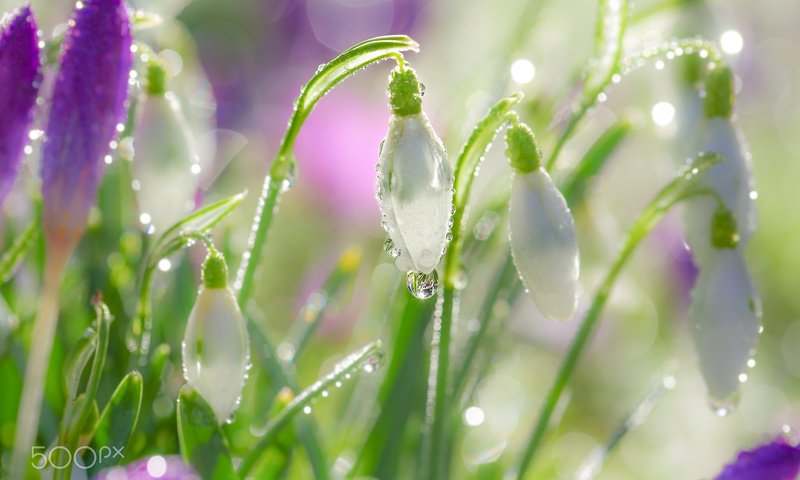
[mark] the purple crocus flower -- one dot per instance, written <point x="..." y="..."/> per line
<point x="778" y="460"/>
<point x="88" y="103"/>
<point x="161" y="467"/>
<point x="19" y="81"/>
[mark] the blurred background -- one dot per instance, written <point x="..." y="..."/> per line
<point x="238" y="65"/>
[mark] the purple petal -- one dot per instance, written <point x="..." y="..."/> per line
<point x="155" y="467"/>
<point x="88" y="103"/>
<point x="19" y="81"/>
<point x="778" y="460"/>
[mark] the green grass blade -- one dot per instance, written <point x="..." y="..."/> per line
<point x="118" y="421"/>
<point x="367" y="358"/>
<point x="12" y="258"/>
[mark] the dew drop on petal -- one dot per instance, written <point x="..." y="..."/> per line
<point x="421" y="285"/>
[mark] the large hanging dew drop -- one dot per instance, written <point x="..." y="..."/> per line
<point x="422" y="285"/>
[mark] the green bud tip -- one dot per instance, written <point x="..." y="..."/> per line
<point x="215" y="271"/>
<point x="719" y="92"/>
<point x="521" y="149"/>
<point x="724" y="232"/>
<point x="405" y="95"/>
<point x="155" y="83"/>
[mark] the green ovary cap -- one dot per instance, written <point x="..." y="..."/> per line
<point x="155" y="78"/>
<point x="405" y="96"/>
<point x="215" y="271"/>
<point x="719" y="92"/>
<point x="724" y="232"/>
<point x="521" y="149"/>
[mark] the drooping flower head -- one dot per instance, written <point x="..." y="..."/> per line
<point x="88" y="103"/>
<point x="415" y="180"/>
<point x="19" y="82"/>
<point x="166" y="165"/>
<point x="777" y="460"/>
<point x="725" y="313"/>
<point x="543" y="240"/>
<point x="216" y="346"/>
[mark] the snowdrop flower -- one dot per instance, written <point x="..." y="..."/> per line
<point x="88" y="104"/>
<point x="725" y="312"/>
<point x="542" y="230"/>
<point x="166" y="165"/>
<point x="777" y="460"/>
<point x="19" y="82"/>
<point x="415" y="180"/>
<point x="216" y="347"/>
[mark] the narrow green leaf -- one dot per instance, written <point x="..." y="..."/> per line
<point x="14" y="255"/>
<point x="185" y="231"/>
<point x="575" y="186"/>
<point x="203" y="445"/>
<point x="118" y="420"/>
<point x="367" y="358"/>
<point x="594" y="463"/>
<point x="79" y="358"/>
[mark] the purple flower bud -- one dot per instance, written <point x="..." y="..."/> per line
<point x="19" y="81"/>
<point x="779" y="460"/>
<point x="164" y="468"/>
<point x="88" y="103"/>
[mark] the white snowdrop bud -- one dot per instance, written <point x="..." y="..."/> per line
<point x="415" y="180"/>
<point x="726" y="319"/>
<point x="165" y="163"/>
<point x="216" y="347"/>
<point x="543" y="241"/>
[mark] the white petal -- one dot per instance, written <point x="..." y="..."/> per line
<point x="415" y="182"/>
<point x="164" y="155"/>
<point x="726" y="319"/>
<point x="732" y="179"/>
<point x="543" y="244"/>
<point x="216" y="351"/>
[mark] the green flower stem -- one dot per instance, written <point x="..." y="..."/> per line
<point x="504" y="277"/>
<point x="280" y="176"/>
<point x="677" y="190"/>
<point x="467" y="164"/>
<point x="357" y="361"/>
<point x="593" y="88"/>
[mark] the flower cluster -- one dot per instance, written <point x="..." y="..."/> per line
<point x="725" y="312"/>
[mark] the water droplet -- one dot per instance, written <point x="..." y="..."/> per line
<point x="374" y="361"/>
<point x="307" y="409"/>
<point x="723" y="407"/>
<point x="380" y="152"/>
<point x="421" y="89"/>
<point x="421" y="285"/>
<point x="390" y="248"/>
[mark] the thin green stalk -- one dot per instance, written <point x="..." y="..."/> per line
<point x="363" y="359"/>
<point x="501" y="280"/>
<point x="677" y="190"/>
<point x="468" y="162"/>
<point x="442" y="328"/>
<point x="593" y="88"/>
